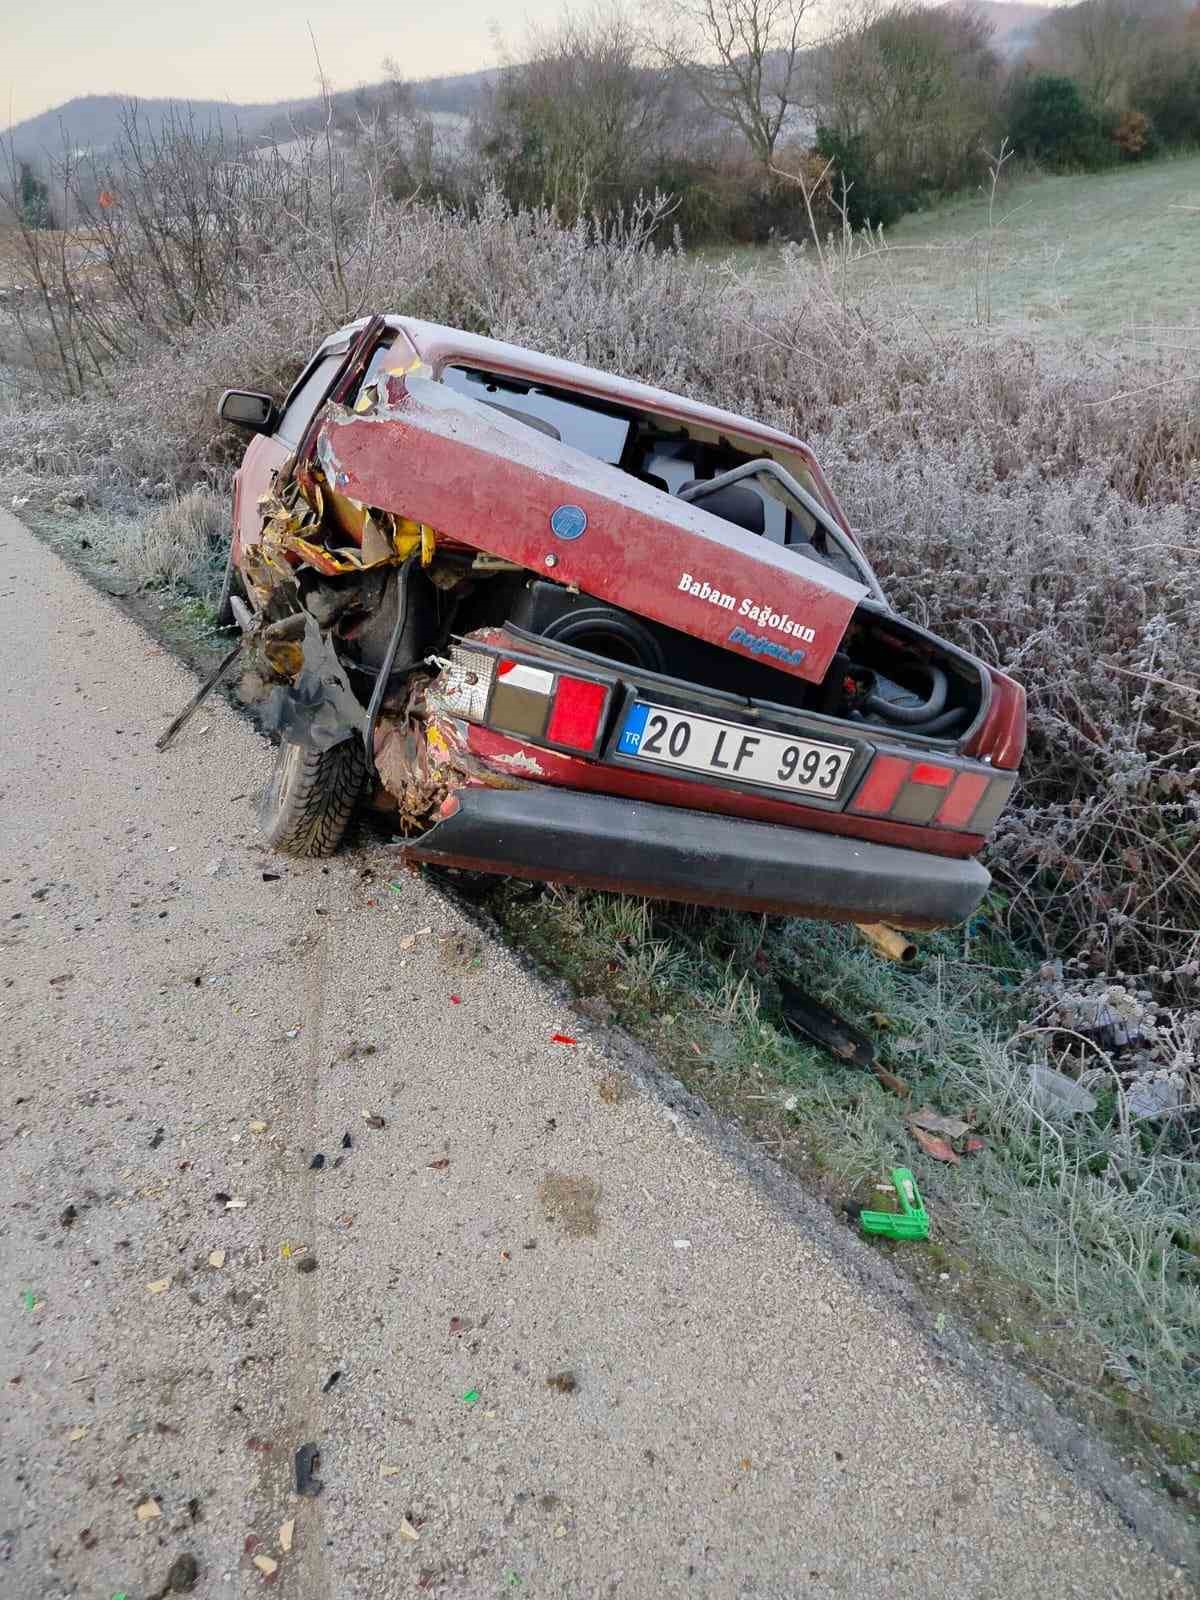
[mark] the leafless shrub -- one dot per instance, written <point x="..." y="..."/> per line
<point x="1037" y="504"/>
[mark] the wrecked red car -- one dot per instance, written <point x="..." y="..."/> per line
<point x="574" y="628"/>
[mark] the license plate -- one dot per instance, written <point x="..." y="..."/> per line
<point x="731" y="750"/>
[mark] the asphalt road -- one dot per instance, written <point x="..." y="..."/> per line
<point x="740" y="1408"/>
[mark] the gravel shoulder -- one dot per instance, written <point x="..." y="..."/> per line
<point x="742" y="1406"/>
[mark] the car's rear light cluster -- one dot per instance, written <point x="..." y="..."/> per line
<point x="928" y="794"/>
<point x="529" y="701"/>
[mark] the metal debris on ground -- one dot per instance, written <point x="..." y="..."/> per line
<point x="910" y="1222"/>
<point x="307" y="1462"/>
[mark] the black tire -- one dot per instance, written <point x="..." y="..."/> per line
<point x="311" y="796"/>
<point x="231" y="584"/>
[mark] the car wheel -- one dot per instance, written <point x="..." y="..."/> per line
<point x="311" y="796"/>
<point x="231" y="584"/>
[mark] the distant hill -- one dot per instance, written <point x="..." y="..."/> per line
<point x="93" y="122"/>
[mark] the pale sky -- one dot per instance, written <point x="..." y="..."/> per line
<point x="240" y="50"/>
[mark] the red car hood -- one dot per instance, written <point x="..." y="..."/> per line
<point x="487" y="480"/>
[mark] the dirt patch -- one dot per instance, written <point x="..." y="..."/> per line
<point x="571" y="1203"/>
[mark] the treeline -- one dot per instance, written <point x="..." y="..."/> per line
<point x="759" y="118"/>
<point x="726" y="103"/>
<point x="1109" y="81"/>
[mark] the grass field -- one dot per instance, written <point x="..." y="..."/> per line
<point x="1108" y="255"/>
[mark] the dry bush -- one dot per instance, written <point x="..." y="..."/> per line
<point x="1036" y="504"/>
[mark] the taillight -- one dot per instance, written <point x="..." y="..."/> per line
<point x="929" y="794"/>
<point x="578" y="713"/>
<point x="521" y="698"/>
<point x="961" y="804"/>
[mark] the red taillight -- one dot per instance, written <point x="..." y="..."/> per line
<point x="938" y="777"/>
<point x="961" y="804"/>
<point x="577" y="714"/>
<point x="883" y="783"/>
<point x="927" y="794"/>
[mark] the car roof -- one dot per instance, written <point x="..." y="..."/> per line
<point x="437" y="344"/>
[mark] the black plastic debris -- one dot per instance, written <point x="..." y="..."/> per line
<point x="308" y="1461"/>
<point x="317" y="1162"/>
<point x="809" y="1017"/>
<point x="331" y="1380"/>
<point x="306" y="1264"/>
<point x="68" y="1216"/>
<point x="271" y="877"/>
<point x="157" y="1139"/>
<point x="347" y="1142"/>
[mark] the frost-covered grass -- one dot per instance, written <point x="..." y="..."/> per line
<point x="1105" y="256"/>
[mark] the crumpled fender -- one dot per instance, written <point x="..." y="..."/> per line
<point x="492" y="482"/>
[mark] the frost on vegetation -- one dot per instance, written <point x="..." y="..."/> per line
<point x="1036" y="504"/>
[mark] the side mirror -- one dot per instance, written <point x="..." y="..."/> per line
<point x="245" y="408"/>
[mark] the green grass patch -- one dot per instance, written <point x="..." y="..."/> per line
<point x="1106" y="255"/>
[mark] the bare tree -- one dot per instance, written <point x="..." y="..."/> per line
<point x="577" y="123"/>
<point x="1100" y="43"/>
<point x="744" y="60"/>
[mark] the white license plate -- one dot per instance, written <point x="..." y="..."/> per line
<point x="731" y="750"/>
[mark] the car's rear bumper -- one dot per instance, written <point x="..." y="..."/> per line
<point x="567" y="836"/>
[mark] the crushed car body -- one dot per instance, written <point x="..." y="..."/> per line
<point x="569" y="627"/>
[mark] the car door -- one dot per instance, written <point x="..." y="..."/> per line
<point x="267" y="452"/>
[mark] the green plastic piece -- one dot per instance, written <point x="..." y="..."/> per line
<point x="471" y="1396"/>
<point x="30" y="1299"/>
<point x="912" y="1219"/>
